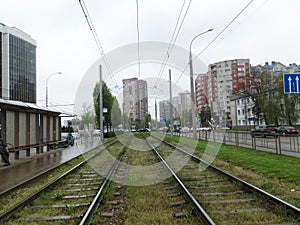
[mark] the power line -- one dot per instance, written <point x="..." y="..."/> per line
<point x="214" y="39"/>
<point x="174" y="38"/>
<point x="225" y="28"/>
<point x="95" y="36"/>
<point x="171" y="41"/>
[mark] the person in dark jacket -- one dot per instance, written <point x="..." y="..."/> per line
<point x="4" y="153"/>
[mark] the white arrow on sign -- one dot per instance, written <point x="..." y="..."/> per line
<point x="290" y="84"/>
<point x="297" y="84"/>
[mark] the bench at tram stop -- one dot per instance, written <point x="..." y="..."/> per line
<point x="39" y="148"/>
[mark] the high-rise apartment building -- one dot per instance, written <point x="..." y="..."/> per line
<point x="180" y="107"/>
<point x="223" y="80"/>
<point x="18" y="65"/>
<point x="184" y="101"/>
<point x="201" y="91"/>
<point x="135" y="99"/>
<point x="164" y="110"/>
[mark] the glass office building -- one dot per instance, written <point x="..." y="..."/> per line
<point x="18" y="65"/>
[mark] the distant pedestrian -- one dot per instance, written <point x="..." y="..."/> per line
<point x="71" y="139"/>
<point x="4" y="153"/>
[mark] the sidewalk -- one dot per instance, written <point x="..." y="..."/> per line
<point x="25" y="168"/>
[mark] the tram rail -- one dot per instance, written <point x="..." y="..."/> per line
<point x="77" y="180"/>
<point x="214" y="181"/>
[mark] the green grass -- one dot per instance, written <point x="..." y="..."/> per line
<point x="276" y="174"/>
<point x="270" y="164"/>
<point x="144" y="208"/>
<point x="142" y="135"/>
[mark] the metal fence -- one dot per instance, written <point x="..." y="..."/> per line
<point x="288" y="145"/>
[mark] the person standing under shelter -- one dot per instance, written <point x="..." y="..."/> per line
<point x="4" y="153"/>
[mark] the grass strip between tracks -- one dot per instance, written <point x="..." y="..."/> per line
<point x="276" y="174"/>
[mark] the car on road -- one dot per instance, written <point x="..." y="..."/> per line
<point x="264" y="130"/>
<point x="287" y="130"/>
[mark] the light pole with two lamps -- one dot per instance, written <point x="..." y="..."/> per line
<point x="51" y="75"/>
<point x="192" y="84"/>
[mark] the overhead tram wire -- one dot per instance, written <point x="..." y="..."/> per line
<point x="214" y="39"/>
<point x="226" y="27"/>
<point x="96" y="38"/>
<point x="138" y="37"/>
<point x="173" y="40"/>
<point x="95" y="35"/>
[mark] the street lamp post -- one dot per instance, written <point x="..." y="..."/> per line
<point x="192" y="84"/>
<point x="51" y="75"/>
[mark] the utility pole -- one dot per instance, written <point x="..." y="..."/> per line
<point x="155" y="115"/>
<point x="101" y="105"/>
<point x="193" y="108"/>
<point x="171" y="105"/>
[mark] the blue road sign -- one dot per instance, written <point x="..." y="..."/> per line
<point x="291" y="83"/>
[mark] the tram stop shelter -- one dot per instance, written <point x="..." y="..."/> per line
<point x="25" y="126"/>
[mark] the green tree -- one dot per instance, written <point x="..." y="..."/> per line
<point x="110" y="103"/>
<point x="87" y="116"/>
<point x="147" y="120"/>
<point x="263" y="92"/>
<point x="116" y="114"/>
<point x="289" y="104"/>
<point x="205" y="115"/>
<point x="270" y="108"/>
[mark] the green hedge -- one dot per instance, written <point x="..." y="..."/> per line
<point x="109" y="134"/>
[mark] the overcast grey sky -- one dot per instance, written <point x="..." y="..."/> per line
<point x="268" y="30"/>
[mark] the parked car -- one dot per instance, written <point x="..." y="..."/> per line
<point x="271" y="129"/>
<point x="133" y="128"/>
<point x="203" y="128"/>
<point x="287" y="130"/>
<point x="185" y="130"/>
<point x="97" y="132"/>
<point x="264" y="130"/>
<point x="144" y="130"/>
<point x="76" y="135"/>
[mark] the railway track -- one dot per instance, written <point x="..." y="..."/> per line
<point x="140" y="173"/>
<point x="73" y="198"/>
<point x="220" y="198"/>
<point x="196" y="193"/>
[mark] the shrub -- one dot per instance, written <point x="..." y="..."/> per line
<point x="109" y="134"/>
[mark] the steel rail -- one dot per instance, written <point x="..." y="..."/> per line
<point x="40" y="175"/>
<point x="198" y="210"/>
<point x="5" y="215"/>
<point x="99" y="196"/>
<point x="290" y="209"/>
